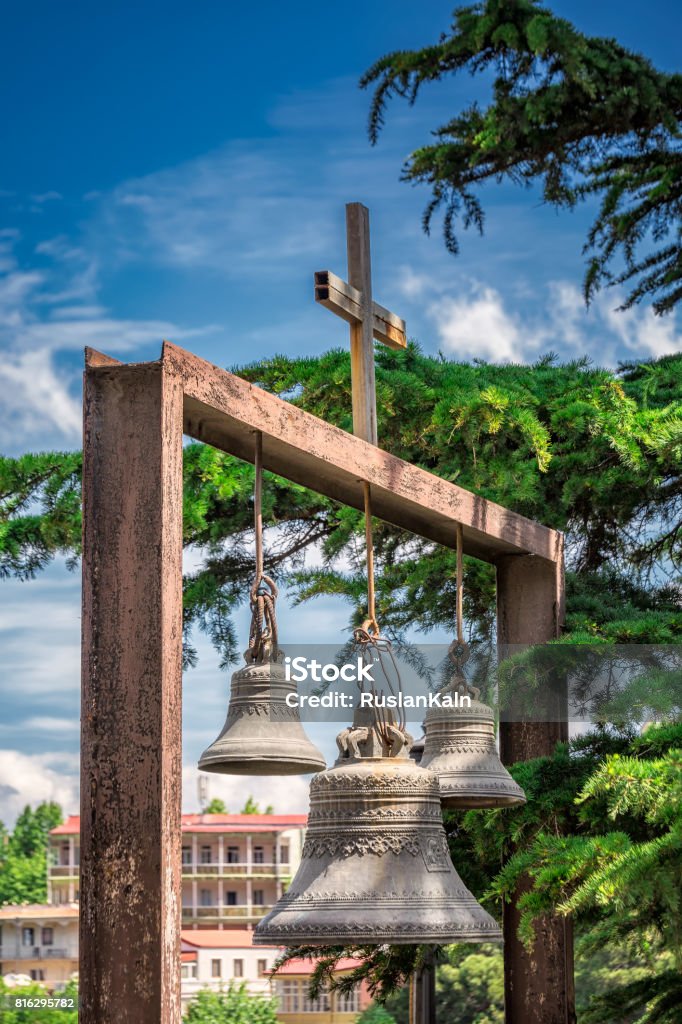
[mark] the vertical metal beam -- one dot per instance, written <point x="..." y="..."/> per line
<point x="422" y="1009"/>
<point x="361" y="334"/>
<point x="131" y="766"/>
<point x="538" y="984"/>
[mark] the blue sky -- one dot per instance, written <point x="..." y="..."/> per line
<point x="180" y="172"/>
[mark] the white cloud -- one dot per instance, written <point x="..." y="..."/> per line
<point x="31" y="387"/>
<point x="288" y="794"/>
<point x="50" y="723"/>
<point x="480" y="327"/>
<point x="479" y="322"/>
<point x="39" y="398"/>
<point x="234" y="211"/>
<point x="46" y="197"/>
<point x="412" y="284"/>
<point x="641" y="332"/>
<point x="30" y="779"/>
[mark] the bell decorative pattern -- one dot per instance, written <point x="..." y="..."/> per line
<point x="460" y="749"/>
<point x="262" y="735"/>
<point x="376" y="865"/>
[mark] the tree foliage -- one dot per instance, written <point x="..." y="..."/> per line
<point x="580" y="115"/>
<point x="618" y="871"/>
<point x="594" y="452"/>
<point x="601" y="840"/>
<point x="23" y="857"/>
<point x="376" y="1014"/>
<point x="233" y="1005"/>
<point x="590" y="451"/>
<point x="12" y="1014"/>
<point x="251" y="806"/>
<point x="216" y="806"/>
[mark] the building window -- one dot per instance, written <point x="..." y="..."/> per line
<point x="233" y="855"/>
<point x="261" y="968"/>
<point x="77" y="855"/>
<point x="206" y="898"/>
<point x="64" y="855"/>
<point x="321" y="1004"/>
<point x="37" y="976"/>
<point x="189" y="970"/>
<point x="258" y="855"/>
<point x="216" y="968"/>
<point x="258" y="899"/>
<point x="348" y="1002"/>
<point x="47" y="937"/>
<point x="28" y="937"/>
<point x="230" y="899"/>
<point x="238" y="969"/>
<point x="288" y="996"/>
<point x="206" y="855"/>
<point x="187" y="855"/>
<point x="284" y="854"/>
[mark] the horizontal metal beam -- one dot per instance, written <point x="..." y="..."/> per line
<point x="346" y="301"/>
<point x="225" y="411"/>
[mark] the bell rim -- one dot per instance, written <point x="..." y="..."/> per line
<point x="244" y="765"/>
<point x="392" y="940"/>
<point x="475" y="801"/>
<point x="368" y="933"/>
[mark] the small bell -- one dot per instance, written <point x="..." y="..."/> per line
<point x="460" y="749"/>
<point x="460" y="733"/>
<point x="262" y="735"/>
<point x="376" y="866"/>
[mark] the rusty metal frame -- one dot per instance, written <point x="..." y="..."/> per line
<point x="134" y="419"/>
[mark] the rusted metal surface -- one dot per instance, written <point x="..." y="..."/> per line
<point x="539" y="987"/>
<point x="334" y="294"/>
<point x="131" y="766"/>
<point x="223" y="410"/>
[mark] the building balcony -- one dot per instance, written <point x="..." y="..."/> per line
<point x="237" y="870"/>
<point x="10" y="952"/>
<point x="216" y="870"/>
<point x="242" y="912"/>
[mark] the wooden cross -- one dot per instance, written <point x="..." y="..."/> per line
<point x="368" y="320"/>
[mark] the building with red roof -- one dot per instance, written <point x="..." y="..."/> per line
<point x="234" y="866"/>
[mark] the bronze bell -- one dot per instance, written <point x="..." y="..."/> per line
<point x="376" y="866"/>
<point x="262" y="735"/>
<point x="460" y="749"/>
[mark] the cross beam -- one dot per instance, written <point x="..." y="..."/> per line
<point x="225" y="411"/>
<point x="368" y="320"/>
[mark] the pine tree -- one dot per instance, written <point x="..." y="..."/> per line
<point x="590" y="451"/>
<point x="23" y="858"/>
<point x="580" y="115"/>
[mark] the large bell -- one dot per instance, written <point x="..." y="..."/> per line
<point x="460" y="749"/>
<point x="262" y="735"/>
<point x="376" y="866"/>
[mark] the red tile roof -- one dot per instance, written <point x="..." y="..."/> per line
<point x="306" y="967"/>
<point x="38" y="910"/>
<point x="213" y="823"/>
<point x="214" y="938"/>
